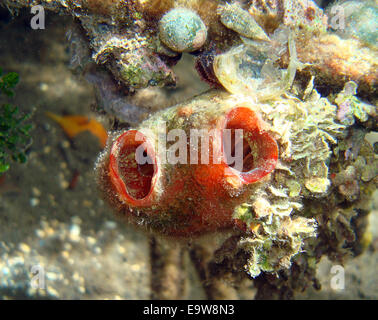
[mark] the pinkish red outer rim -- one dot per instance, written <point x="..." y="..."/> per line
<point x="117" y="180"/>
<point x="250" y="176"/>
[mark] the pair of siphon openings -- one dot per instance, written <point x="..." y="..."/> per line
<point x="138" y="177"/>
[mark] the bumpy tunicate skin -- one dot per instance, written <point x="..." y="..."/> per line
<point x="182" y="30"/>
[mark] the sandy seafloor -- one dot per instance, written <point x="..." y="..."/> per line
<point x="85" y="251"/>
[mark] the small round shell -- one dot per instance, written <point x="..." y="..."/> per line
<point x="182" y="30"/>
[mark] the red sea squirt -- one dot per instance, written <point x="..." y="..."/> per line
<point x="186" y="199"/>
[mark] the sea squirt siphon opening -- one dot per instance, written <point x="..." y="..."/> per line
<point x="133" y="167"/>
<point x="259" y="151"/>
